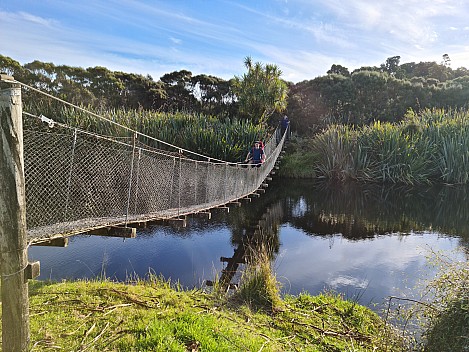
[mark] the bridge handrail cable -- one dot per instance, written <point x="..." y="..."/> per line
<point x="77" y="180"/>
<point x="120" y="125"/>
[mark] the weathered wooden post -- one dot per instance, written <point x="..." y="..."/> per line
<point x="13" y="241"/>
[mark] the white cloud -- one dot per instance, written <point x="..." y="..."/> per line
<point x="175" y="40"/>
<point x="303" y="38"/>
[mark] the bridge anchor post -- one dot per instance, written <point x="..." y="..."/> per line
<point x="13" y="231"/>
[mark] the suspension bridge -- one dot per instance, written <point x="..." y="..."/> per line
<point x="59" y="181"/>
<point x="82" y="182"/>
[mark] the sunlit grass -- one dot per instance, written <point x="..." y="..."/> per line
<point x="154" y="315"/>
<point x="259" y="287"/>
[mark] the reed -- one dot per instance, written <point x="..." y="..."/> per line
<point x="218" y="138"/>
<point x="259" y="286"/>
<point x="424" y="148"/>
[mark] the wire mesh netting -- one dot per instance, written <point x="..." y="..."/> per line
<point x="77" y="181"/>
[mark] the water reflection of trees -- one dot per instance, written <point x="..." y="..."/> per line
<point x="361" y="211"/>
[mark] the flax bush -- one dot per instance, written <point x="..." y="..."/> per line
<point x="430" y="147"/>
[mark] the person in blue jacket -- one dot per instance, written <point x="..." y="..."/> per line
<point x="256" y="155"/>
<point x="284" y="125"/>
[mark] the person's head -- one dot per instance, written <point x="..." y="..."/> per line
<point x="257" y="145"/>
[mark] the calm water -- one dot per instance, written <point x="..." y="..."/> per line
<point x="365" y="242"/>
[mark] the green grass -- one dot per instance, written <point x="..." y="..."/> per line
<point x="259" y="287"/>
<point x="298" y="161"/>
<point x="153" y="316"/>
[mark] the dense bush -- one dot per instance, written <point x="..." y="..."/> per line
<point x="432" y="146"/>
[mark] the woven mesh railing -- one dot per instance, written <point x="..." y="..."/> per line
<point x="77" y="181"/>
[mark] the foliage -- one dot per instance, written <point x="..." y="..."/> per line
<point x="367" y="94"/>
<point x="259" y="287"/>
<point x="306" y="108"/>
<point x="298" y="161"/>
<point x="375" y="93"/>
<point x="104" y="89"/>
<point x="260" y="92"/>
<point x="424" y="148"/>
<point x="207" y="135"/>
<point x="443" y="310"/>
<point x="447" y="321"/>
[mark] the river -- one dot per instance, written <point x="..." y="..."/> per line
<point x="365" y="242"/>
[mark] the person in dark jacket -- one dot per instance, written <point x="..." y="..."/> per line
<point x="256" y="155"/>
<point x="284" y="125"/>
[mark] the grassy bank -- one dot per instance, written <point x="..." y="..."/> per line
<point x="152" y="316"/>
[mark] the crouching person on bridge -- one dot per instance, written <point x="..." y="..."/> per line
<point x="256" y="155"/>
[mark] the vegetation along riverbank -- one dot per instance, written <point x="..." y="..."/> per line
<point x="151" y="314"/>
<point x="427" y="147"/>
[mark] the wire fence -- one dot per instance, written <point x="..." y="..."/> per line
<point x="77" y="181"/>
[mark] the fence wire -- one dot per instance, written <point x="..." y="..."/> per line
<point x="77" y="181"/>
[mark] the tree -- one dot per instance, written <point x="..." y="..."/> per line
<point x="43" y="75"/>
<point x="214" y="93"/>
<point x="391" y="65"/>
<point x="105" y="85"/>
<point x="140" y="91"/>
<point x="73" y="83"/>
<point x="12" y="68"/>
<point x="260" y="92"/>
<point x="446" y="60"/>
<point x="339" y="70"/>
<point x="179" y="93"/>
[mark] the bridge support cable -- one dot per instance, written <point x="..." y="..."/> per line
<point x="77" y="180"/>
<point x="94" y="176"/>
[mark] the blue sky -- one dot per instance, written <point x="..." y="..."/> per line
<point x="304" y="38"/>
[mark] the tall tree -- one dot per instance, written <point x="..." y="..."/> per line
<point x="13" y="68"/>
<point x="391" y="65"/>
<point x="179" y="91"/>
<point x="260" y="92"/>
<point x="339" y="70"/>
<point x="105" y="85"/>
<point x="214" y="93"/>
<point x="141" y="91"/>
<point x="446" y="60"/>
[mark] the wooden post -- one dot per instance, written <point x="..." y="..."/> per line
<point x="13" y="241"/>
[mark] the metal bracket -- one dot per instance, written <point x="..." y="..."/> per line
<point x="47" y="120"/>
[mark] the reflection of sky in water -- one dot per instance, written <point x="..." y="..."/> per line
<point x="368" y="270"/>
<point x="348" y="257"/>
<point x="300" y="208"/>
<point x="189" y="259"/>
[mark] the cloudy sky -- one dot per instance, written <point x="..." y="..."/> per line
<point x="304" y="38"/>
